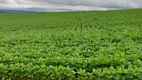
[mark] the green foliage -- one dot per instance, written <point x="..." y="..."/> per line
<point x="71" y="45"/>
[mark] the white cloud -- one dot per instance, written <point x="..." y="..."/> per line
<point x="71" y="4"/>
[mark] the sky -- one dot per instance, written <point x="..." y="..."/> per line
<point x="66" y="5"/>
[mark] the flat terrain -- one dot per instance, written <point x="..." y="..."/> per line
<point x="95" y="45"/>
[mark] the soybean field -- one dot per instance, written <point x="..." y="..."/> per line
<point x="85" y="45"/>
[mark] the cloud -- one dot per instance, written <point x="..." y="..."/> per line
<point x="71" y="4"/>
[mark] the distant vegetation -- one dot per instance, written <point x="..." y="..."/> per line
<point x="101" y="45"/>
<point x="10" y="10"/>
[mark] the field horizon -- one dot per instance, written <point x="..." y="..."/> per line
<point x="34" y="10"/>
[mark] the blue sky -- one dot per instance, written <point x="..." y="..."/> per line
<point x="60" y="5"/>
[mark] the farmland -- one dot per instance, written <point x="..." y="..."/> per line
<point x="95" y="45"/>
